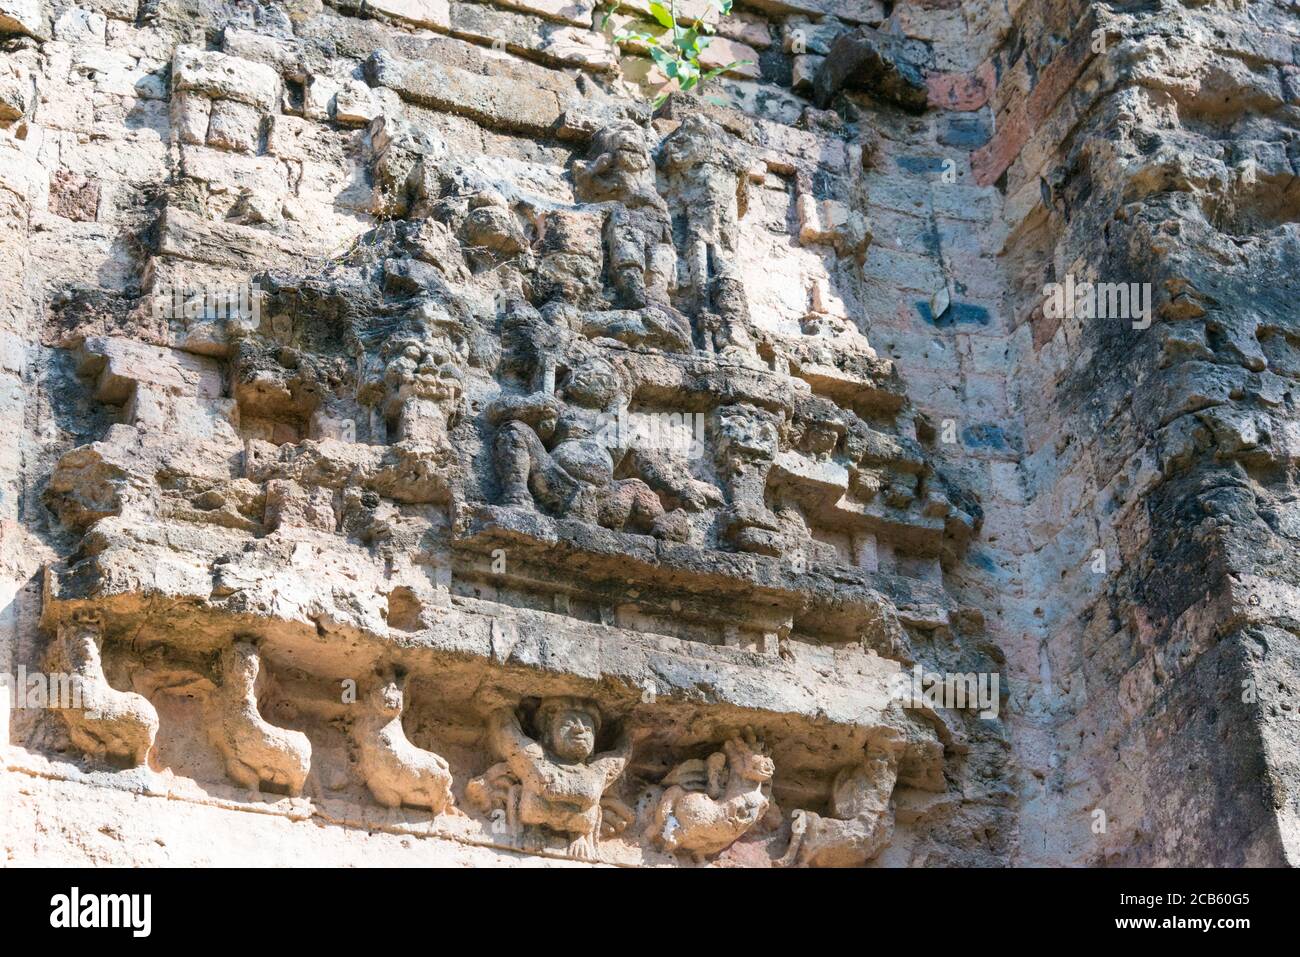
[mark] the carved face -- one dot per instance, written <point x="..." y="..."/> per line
<point x="820" y="439"/>
<point x="573" y="735"/>
<point x="593" y="384"/>
<point x="757" y="767"/>
<point x="391" y="698"/>
<point x="747" y="760"/>
<point x="745" y="434"/>
<point x="425" y="371"/>
<point x="626" y="146"/>
<point x="546" y="425"/>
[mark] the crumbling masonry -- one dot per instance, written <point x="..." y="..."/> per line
<point x="417" y="449"/>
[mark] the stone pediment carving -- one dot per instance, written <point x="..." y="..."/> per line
<point x="505" y="452"/>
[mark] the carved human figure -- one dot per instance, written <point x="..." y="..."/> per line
<point x="707" y="180"/>
<point x="117" y="725"/>
<point x="570" y="266"/>
<point x="258" y="755"/>
<point x="422" y="387"/>
<point x="861" y="822"/>
<point x="396" y="771"/>
<point x="563" y="452"/>
<point x="710" y="803"/>
<point x="655" y="327"/>
<point x="556" y="782"/>
<point x="491" y="230"/>
<point x="748" y="439"/>
<point x="533" y="341"/>
<point x="638" y="237"/>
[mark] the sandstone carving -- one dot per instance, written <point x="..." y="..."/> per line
<point x="556" y="450"/>
<point x="747" y="445"/>
<point x="258" y="755"/>
<point x="711" y="803"/>
<point x="640" y="257"/>
<point x="396" y="771"/>
<point x="708" y="180"/>
<point x="422" y="390"/>
<point x="400" y="374"/>
<point x="556" y="783"/>
<point x="108" y="724"/>
<point x="861" y="821"/>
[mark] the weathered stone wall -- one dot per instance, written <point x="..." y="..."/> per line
<point x="1154" y="146"/>
<point x="375" y="570"/>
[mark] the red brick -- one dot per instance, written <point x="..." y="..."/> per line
<point x="963" y="92"/>
<point x="1057" y="76"/>
<point x="1042" y="327"/>
<point x="1021" y="119"/>
<point x="989" y="161"/>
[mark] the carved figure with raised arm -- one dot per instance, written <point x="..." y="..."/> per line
<point x="556" y="782"/>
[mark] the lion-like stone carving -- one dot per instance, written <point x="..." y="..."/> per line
<point x="712" y="802"/>
<point x="861" y="822"/>
<point x="396" y="771"/>
<point x="258" y="755"/>
<point x="109" y="724"/>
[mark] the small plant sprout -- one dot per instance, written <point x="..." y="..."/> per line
<point x="677" y="53"/>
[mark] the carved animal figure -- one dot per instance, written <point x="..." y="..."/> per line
<point x="395" y="770"/>
<point x="861" y="822"/>
<point x="258" y="754"/>
<point x="120" y="725"/>
<point x="711" y="803"/>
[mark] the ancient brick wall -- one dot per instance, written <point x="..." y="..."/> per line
<point x="1166" y="441"/>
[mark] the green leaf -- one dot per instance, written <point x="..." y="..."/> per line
<point x="719" y="70"/>
<point x="625" y="36"/>
<point x="661" y="14"/>
<point x="609" y="13"/>
<point x="678" y="58"/>
<point x="662" y="57"/>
